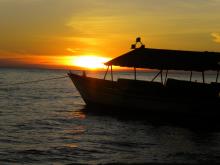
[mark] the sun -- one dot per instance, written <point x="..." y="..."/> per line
<point x="89" y="61"/>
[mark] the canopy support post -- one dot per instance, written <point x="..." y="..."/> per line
<point x="203" y="77"/>
<point x="217" y="76"/>
<point x="190" y="79"/>
<point x="111" y="73"/>
<point x="161" y="76"/>
<point x="106" y="72"/>
<point x="156" y="75"/>
<point x="135" y="74"/>
<point x="166" y="77"/>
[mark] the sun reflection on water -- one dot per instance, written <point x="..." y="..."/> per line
<point x="72" y="145"/>
<point x="75" y="130"/>
<point x="77" y="115"/>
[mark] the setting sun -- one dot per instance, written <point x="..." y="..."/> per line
<point x="89" y="61"/>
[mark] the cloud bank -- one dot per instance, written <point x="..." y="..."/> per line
<point x="216" y="37"/>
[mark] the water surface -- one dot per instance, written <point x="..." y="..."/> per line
<point x="45" y="123"/>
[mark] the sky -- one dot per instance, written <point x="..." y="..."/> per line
<point x="49" y="33"/>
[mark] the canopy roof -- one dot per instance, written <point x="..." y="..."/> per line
<point x="168" y="59"/>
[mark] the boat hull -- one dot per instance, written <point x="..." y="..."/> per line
<point x="112" y="95"/>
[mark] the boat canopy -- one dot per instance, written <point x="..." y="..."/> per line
<point x="168" y="59"/>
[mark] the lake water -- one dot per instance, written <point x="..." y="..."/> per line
<point x="45" y="123"/>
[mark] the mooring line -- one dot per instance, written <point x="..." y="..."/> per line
<point x="34" y="81"/>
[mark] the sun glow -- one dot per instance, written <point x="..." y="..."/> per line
<point x="89" y="61"/>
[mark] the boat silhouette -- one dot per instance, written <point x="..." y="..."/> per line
<point x="169" y="95"/>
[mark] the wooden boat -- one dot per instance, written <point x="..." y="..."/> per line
<point x="168" y="95"/>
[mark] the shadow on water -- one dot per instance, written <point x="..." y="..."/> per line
<point x="195" y="122"/>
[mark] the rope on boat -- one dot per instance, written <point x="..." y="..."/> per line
<point x="34" y="81"/>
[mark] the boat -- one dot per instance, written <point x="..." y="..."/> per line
<point x="168" y="95"/>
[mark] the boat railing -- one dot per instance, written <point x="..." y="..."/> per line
<point x="140" y="86"/>
<point x="216" y="86"/>
<point x="139" y="83"/>
<point x="189" y="88"/>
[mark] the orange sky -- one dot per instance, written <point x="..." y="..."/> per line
<point x="47" y="33"/>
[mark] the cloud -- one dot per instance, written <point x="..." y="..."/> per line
<point x="49" y="27"/>
<point x="216" y="37"/>
<point x="38" y="26"/>
<point x="73" y="50"/>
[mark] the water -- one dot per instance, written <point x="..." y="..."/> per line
<point x="44" y="123"/>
